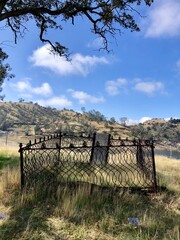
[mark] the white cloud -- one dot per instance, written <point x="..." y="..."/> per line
<point x="149" y="87"/>
<point x="144" y="119"/>
<point x="178" y="63"/>
<point x="115" y="87"/>
<point x="55" y="101"/>
<point x="25" y="88"/>
<point x="45" y="89"/>
<point x="84" y="97"/>
<point x="135" y="122"/>
<point x="96" y="43"/>
<point x="79" y="64"/>
<point x="120" y="85"/>
<point x="22" y="86"/>
<point x="178" y="66"/>
<point x="164" y="19"/>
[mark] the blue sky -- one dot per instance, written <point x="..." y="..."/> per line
<point x="139" y="79"/>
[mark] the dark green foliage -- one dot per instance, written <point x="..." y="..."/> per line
<point x="175" y="121"/>
<point x="167" y="131"/>
<point x="21" y="100"/>
<point x="112" y="120"/>
<point x="123" y="120"/>
<point x="4" y="70"/>
<point x="94" y="115"/>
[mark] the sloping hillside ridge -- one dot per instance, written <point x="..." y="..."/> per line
<point x="33" y="119"/>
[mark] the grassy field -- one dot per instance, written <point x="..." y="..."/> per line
<point x="66" y="214"/>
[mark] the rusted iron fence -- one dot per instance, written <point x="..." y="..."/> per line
<point x="98" y="159"/>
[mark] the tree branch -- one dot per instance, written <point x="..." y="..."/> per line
<point x="2" y="4"/>
<point x="42" y="10"/>
<point x="13" y="29"/>
<point x="58" y="48"/>
<point x="104" y="16"/>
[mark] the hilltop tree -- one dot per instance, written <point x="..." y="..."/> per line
<point x="83" y="109"/>
<point x="94" y="115"/>
<point x="123" y="120"/>
<point x="112" y="120"/>
<point x="2" y="97"/>
<point x="107" y="17"/>
<point x="21" y="100"/>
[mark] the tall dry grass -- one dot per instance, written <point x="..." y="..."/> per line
<point x="168" y="171"/>
<point x="49" y="212"/>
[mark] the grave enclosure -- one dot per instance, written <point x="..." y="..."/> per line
<point x="96" y="159"/>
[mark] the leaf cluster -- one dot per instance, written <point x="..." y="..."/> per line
<point x="4" y="68"/>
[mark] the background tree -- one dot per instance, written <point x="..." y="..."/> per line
<point x="112" y="120"/>
<point x="138" y="131"/>
<point x="123" y="120"/>
<point x="83" y="109"/>
<point x="2" y="97"/>
<point x="107" y="17"/>
<point x="94" y="115"/>
<point x="21" y="100"/>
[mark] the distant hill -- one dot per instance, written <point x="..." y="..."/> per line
<point x="164" y="131"/>
<point x="30" y="119"/>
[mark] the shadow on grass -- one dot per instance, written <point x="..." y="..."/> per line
<point x="103" y="210"/>
<point x="30" y="210"/>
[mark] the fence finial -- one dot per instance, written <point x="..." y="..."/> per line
<point x="20" y="146"/>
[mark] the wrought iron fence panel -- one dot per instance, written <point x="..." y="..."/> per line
<point x="100" y="161"/>
<point x="51" y="141"/>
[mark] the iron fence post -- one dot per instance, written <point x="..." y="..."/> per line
<point x="21" y="165"/>
<point x="60" y="135"/>
<point x="108" y="145"/>
<point x="140" y="157"/>
<point x="93" y="146"/>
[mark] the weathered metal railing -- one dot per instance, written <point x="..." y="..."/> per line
<point x="98" y="159"/>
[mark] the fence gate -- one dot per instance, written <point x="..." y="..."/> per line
<point x="96" y="159"/>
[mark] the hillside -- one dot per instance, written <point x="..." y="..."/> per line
<point x="166" y="132"/>
<point x="30" y="119"/>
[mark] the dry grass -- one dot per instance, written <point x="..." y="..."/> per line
<point x="61" y="213"/>
<point x="9" y="151"/>
<point x="169" y="173"/>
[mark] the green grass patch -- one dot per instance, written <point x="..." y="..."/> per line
<point x="8" y="160"/>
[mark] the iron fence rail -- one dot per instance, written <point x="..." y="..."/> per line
<point x="97" y="159"/>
